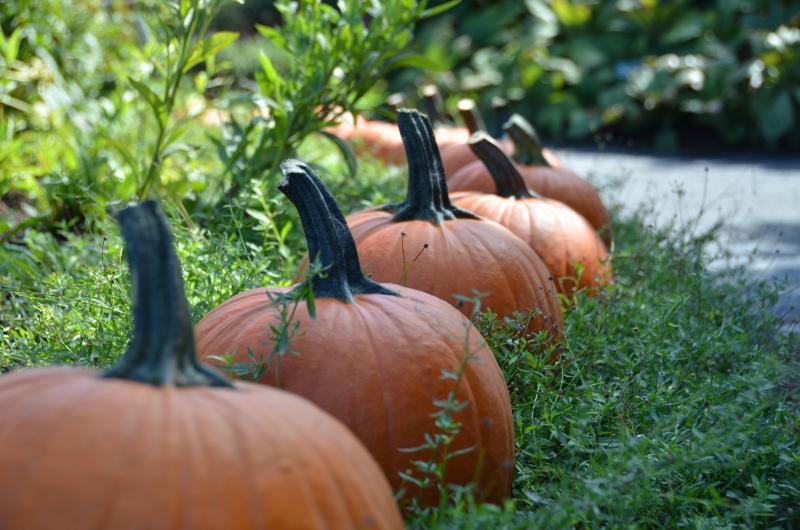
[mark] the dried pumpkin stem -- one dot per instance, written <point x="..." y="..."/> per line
<point x="427" y="198"/>
<point x="471" y="116"/>
<point x="328" y="237"/>
<point x="502" y="113"/>
<point x="162" y="350"/>
<point x="433" y="103"/>
<point x="527" y="145"/>
<point x="506" y="177"/>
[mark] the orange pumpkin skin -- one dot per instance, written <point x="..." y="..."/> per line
<point x="382" y="139"/>
<point x="371" y="341"/>
<point x="559" y="184"/>
<point x="84" y="452"/>
<point x="373" y="365"/>
<point x="461" y="256"/>
<point x="558" y="234"/>
<point x="160" y="441"/>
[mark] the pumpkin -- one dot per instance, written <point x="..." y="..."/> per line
<point x="458" y="154"/>
<point x="431" y="245"/>
<point x="374" y="355"/>
<point x="558" y="234"/>
<point x="382" y="138"/>
<point x="161" y="441"/>
<point x="554" y="182"/>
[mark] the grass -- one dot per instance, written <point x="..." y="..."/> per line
<point x="673" y="405"/>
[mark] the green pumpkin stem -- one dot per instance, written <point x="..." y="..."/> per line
<point x="506" y="177"/>
<point x="527" y="145"/>
<point x="162" y="350"/>
<point x="427" y="198"/>
<point x="327" y="236"/>
<point x="471" y="116"/>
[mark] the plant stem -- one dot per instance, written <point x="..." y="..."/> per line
<point x="527" y="146"/>
<point x="162" y="349"/>
<point x="506" y="177"/>
<point x="427" y="198"/>
<point x="472" y="118"/>
<point x="329" y="240"/>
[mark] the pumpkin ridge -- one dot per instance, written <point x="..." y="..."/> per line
<point x="312" y="441"/>
<point x="395" y="454"/>
<point x="497" y="266"/>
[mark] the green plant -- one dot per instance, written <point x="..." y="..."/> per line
<point x="320" y="63"/>
<point x="661" y="73"/>
<point x="185" y="45"/>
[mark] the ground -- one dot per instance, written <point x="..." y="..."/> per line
<point x="758" y="199"/>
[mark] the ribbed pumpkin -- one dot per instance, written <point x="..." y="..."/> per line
<point x="429" y="244"/>
<point x="457" y="154"/>
<point x="553" y="182"/>
<point x="374" y="355"/>
<point x="558" y="234"/>
<point x="161" y="441"/>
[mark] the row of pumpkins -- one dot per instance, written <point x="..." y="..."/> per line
<point x="162" y="440"/>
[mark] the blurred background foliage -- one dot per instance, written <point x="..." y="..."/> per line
<point x="81" y="84"/>
<point x="673" y="74"/>
<point x="677" y="74"/>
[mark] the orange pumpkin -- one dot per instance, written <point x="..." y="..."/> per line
<point x="382" y="138"/>
<point x="374" y="355"/>
<point x="431" y="245"/>
<point x="559" y="235"/>
<point x="553" y="182"/>
<point x="161" y="441"/>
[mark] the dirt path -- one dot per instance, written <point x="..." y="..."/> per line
<point x="758" y="199"/>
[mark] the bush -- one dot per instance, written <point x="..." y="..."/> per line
<point x="670" y="73"/>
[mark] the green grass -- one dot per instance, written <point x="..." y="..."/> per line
<point x="673" y="405"/>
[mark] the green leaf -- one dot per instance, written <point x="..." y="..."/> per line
<point x="415" y="60"/>
<point x="272" y="35"/>
<point x="270" y="75"/>
<point x="441" y="8"/>
<point x="152" y="99"/>
<point x="210" y="47"/>
<point x="345" y="149"/>
<point x="310" y="306"/>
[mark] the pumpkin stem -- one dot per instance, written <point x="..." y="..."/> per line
<point x="527" y="145"/>
<point x="162" y="350"/>
<point x="506" y="177"/>
<point x="471" y="116"/>
<point x="427" y="198"/>
<point x="502" y="113"/>
<point x="327" y="235"/>
<point x="433" y="103"/>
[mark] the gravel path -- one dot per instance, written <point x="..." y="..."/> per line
<point x="758" y="200"/>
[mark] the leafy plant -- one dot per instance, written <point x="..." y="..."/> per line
<point x="672" y="74"/>
<point x="321" y="62"/>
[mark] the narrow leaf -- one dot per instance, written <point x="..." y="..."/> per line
<point x="433" y="11"/>
<point x="345" y="149"/>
